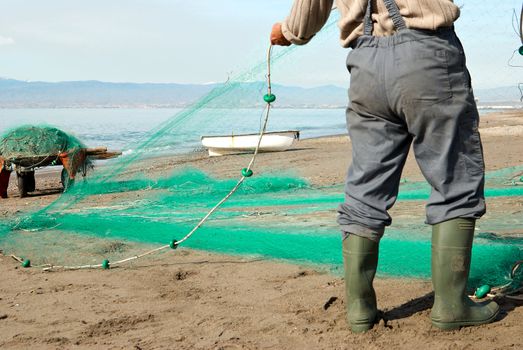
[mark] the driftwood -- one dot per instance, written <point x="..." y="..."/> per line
<point x="101" y="153"/>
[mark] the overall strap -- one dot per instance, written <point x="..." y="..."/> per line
<point x="394" y="14"/>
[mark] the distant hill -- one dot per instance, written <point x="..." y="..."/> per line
<point x="15" y="93"/>
<point x="508" y="95"/>
<point x="96" y="94"/>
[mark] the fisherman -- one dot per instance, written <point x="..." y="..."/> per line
<point x="408" y="86"/>
<point x="4" y="178"/>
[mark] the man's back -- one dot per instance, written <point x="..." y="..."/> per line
<point x="307" y="17"/>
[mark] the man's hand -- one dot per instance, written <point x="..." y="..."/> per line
<point x="277" y="37"/>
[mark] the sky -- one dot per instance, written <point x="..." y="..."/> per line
<point x="207" y="40"/>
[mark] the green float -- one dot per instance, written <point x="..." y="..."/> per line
<point x="482" y="291"/>
<point x="269" y="98"/>
<point x="106" y="265"/>
<point x="247" y="172"/>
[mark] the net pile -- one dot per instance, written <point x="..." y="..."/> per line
<point x="36" y="141"/>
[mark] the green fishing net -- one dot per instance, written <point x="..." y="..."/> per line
<point x="125" y="207"/>
<point x="272" y="216"/>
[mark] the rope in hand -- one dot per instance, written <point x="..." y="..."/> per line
<point x="245" y="173"/>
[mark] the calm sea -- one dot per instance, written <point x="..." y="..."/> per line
<point x="126" y="129"/>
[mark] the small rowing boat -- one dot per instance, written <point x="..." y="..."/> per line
<point x="246" y="143"/>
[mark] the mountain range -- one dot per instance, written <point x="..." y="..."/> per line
<point x="97" y="94"/>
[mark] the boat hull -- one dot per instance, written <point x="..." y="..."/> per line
<point x="233" y="144"/>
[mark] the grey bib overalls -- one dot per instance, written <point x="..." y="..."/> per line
<point x="410" y="88"/>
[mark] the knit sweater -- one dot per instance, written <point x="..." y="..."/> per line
<point x="307" y="17"/>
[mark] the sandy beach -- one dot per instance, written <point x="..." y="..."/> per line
<point x="200" y="300"/>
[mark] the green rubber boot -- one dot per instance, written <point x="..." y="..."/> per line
<point x="451" y="254"/>
<point x="360" y="257"/>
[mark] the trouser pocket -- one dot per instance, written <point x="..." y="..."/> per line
<point x="424" y="73"/>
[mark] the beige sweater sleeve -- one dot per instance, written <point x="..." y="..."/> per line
<point x="306" y="19"/>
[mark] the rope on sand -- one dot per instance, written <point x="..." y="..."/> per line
<point x="245" y="173"/>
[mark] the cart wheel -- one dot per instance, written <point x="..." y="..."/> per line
<point x="66" y="181"/>
<point x="22" y="184"/>
<point x="30" y="183"/>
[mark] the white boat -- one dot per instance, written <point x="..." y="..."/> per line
<point x="246" y="143"/>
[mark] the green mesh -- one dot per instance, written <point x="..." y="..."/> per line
<point x="403" y="253"/>
<point x="36" y="141"/>
<point x="271" y="216"/>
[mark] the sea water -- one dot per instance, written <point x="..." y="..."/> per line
<point x="121" y="129"/>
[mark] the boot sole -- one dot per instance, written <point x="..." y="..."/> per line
<point x="364" y="327"/>
<point x="361" y="328"/>
<point x="449" y="326"/>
